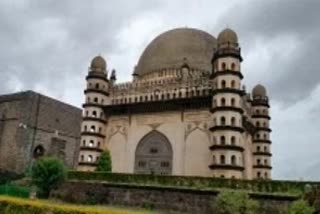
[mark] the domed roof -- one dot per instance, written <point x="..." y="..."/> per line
<point x="98" y="62"/>
<point x="170" y="48"/>
<point x="259" y="90"/>
<point x="227" y="35"/>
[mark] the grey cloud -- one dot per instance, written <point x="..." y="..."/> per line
<point x="262" y="21"/>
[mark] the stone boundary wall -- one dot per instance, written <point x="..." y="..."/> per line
<point x="177" y="200"/>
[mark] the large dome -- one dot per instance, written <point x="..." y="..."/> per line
<point x="169" y="49"/>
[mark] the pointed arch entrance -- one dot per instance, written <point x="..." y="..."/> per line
<point x="153" y="155"/>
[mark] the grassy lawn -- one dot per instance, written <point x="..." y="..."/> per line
<point x="49" y="206"/>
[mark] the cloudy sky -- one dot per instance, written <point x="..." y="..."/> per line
<point x="47" y="45"/>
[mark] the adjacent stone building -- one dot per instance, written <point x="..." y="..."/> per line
<point x="185" y="112"/>
<point x="33" y="125"/>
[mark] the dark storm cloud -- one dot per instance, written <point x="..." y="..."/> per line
<point x="292" y="70"/>
<point x="46" y="45"/>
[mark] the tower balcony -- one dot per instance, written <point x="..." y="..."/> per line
<point x="94" y="134"/>
<point x="226" y="147"/>
<point x="226" y="167"/>
<point x="228" y="90"/>
<point x="226" y="128"/>
<point x="98" y="91"/>
<point x="264" y="116"/>
<point x="228" y="51"/>
<point x="226" y="72"/>
<point x="89" y="148"/>
<point x="95" y="119"/>
<point x="261" y="166"/>
<point x="262" y="154"/>
<point x="96" y="75"/>
<point x="226" y="108"/>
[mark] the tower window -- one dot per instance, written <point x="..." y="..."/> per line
<point x="222" y="140"/>
<point x="266" y="175"/>
<point x="258" y="148"/>
<point x="93" y="129"/>
<point x="97" y="86"/>
<point x="233" y="160"/>
<point x="233" y="121"/>
<point x="258" y="124"/>
<point x="233" y="102"/>
<point x="223" y="101"/>
<point x="258" y="162"/>
<point x="95" y="100"/>
<point x="90" y="158"/>
<point x="233" y="84"/>
<point x="265" y="149"/>
<point x="94" y="114"/>
<point x="223" y="84"/>
<point x="224" y="66"/>
<point x="233" y="140"/>
<point x="223" y="121"/>
<point x="233" y="66"/>
<point x="222" y="159"/>
<point x="214" y="159"/>
<point x="91" y="143"/>
<point x="259" y="174"/>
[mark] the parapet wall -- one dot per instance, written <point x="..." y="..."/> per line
<point x="178" y="200"/>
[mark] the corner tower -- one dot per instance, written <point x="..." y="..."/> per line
<point x="227" y="147"/>
<point x="94" y="121"/>
<point x="261" y="141"/>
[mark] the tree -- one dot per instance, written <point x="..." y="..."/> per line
<point x="47" y="174"/>
<point x="104" y="163"/>
<point x="235" y="203"/>
<point x="300" y="207"/>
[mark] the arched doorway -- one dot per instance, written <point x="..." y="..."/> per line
<point x="153" y="155"/>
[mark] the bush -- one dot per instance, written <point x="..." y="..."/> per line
<point x="300" y="207"/>
<point x="104" y="163"/>
<point x="14" y="190"/>
<point x="235" y="203"/>
<point x="47" y="174"/>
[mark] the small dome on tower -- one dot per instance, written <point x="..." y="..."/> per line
<point x="259" y="90"/>
<point x="227" y="36"/>
<point x="99" y="63"/>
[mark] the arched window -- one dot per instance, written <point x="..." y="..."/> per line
<point x="233" y="160"/>
<point x="233" y="121"/>
<point x="264" y="124"/>
<point x="258" y="148"/>
<point x="88" y="100"/>
<point x="223" y="84"/>
<point x="93" y="129"/>
<point x="222" y="140"/>
<point x="257" y="136"/>
<point x="100" y="129"/>
<point x="258" y="174"/>
<point x="87" y="113"/>
<point x="258" y="162"/>
<point x="90" y="158"/>
<point x="266" y="162"/>
<point x="233" y="66"/>
<point x="257" y="124"/>
<point x="82" y="157"/>
<point x="223" y="121"/>
<point x="38" y="151"/>
<point x="94" y="114"/>
<point x="257" y="111"/>
<point x="266" y="175"/>
<point x="91" y="143"/>
<point x="83" y="143"/>
<point x="99" y="144"/>
<point x="97" y="85"/>
<point x="223" y="101"/>
<point x="233" y="84"/>
<point x="233" y="140"/>
<point x="233" y="102"/>
<point x="224" y="66"/>
<point x="265" y="149"/>
<point x="222" y="159"/>
<point x="95" y="100"/>
<point x="85" y="128"/>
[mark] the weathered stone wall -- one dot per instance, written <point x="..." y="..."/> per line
<point x="28" y="119"/>
<point x="158" y="198"/>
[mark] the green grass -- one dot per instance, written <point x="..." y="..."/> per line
<point x="10" y="205"/>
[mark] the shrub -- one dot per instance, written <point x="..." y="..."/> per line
<point x="300" y="207"/>
<point x="235" y="203"/>
<point x="104" y="163"/>
<point x="14" y="190"/>
<point x="47" y="174"/>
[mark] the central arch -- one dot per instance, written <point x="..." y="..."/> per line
<point x="153" y="155"/>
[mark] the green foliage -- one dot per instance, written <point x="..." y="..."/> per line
<point x="104" y="163"/>
<point x="47" y="174"/>
<point x="235" y="203"/>
<point x="300" y="207"/>
<point x="14" y="190"/>
<point x="312" y="196"/>
<point x="266" y="186"/>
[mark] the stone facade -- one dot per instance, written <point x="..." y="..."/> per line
<point x="176" y="200"/>
<point x="185" y="112"/>
<point x="33" y="125"/>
